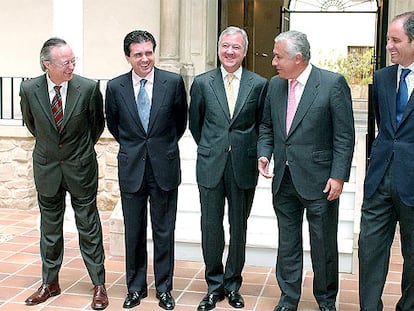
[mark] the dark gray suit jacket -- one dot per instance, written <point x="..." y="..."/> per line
<point x="216" y="133"/>
<point x="69" y="155"/>
<point x="320" y="143"/>
<point x="167" y="123"/>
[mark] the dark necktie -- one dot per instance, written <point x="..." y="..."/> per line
<point x="402" y="95"/>
<point x="143" y="105"/>
<point x="57" y="108"/>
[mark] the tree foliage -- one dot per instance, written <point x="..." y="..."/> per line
<point x="355" y="67"/>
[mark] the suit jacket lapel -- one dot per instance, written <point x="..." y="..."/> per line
<point x="217" y="87"/>
<point x="72" y="98"/>
<point x="42" y="96"/>
<point x="158" y="94"/>
<point x="309" y="93"/>
<point x="127" y="92"/>
<point x="244" y="91"/>
<point x="283" y="104"/>
<point x="391" y="99"/>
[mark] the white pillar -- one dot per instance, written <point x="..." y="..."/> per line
<point x="68" y="25"/>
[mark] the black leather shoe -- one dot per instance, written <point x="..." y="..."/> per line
<point x="166" y="300"/>
<point x="280" y="308"/>
<point x="209" y="301"/>
<point x="327" y="308"/>
<point x="133" y="299"/>
<point x="235" y="299"/>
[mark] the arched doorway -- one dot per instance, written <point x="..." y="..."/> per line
<point x="264" y="19"/>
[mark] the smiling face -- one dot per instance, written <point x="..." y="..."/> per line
<point x="399" y="45"/>
<point x="61" y="64"/>
<point x="141" y="58"/>
<point x="231" y="51"/>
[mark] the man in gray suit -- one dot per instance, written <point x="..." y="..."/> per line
<point x="64" y="112"/>
<point x="312" y="151"/>
<point x="225" y="111"/>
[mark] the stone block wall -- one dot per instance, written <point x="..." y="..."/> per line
<point x="17" y="189"/>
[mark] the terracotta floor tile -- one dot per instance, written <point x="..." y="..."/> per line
<point x="20" y="275"/>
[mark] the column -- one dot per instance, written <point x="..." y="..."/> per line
<point x="169" y="41"/>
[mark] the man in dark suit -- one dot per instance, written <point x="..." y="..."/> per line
<point x="310" y="132"/>
<point x="389" y="195"/>
<point x="148" y="162"/>
<point x="225" y="128"/>
<point x="64" y="112"/>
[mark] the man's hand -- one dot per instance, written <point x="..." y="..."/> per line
<point x="334" y="187"/>
<point x="263" y="167"/>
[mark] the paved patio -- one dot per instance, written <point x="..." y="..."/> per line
<point x="20" y="270"/>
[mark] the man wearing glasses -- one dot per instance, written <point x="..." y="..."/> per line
<point x="64" y="112"/>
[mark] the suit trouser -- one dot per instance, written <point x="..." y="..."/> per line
<point x="88" y="223"/>
<point x="163" y="210"/>
<point x="322" y="216"/>
<point x="380" y="214"/>
<point x="212" y="214"/>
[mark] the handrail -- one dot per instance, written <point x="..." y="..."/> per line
<point x="10" y="112"/>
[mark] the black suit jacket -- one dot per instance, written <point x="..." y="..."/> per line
<point x="69" y="155"/>
<point x="167" y="123"/>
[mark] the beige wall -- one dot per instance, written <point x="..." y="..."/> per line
<point x="22" y="34"/>
<point x="105" y="25"/>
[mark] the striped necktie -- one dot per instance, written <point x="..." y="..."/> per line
<point x="57" y="108"/>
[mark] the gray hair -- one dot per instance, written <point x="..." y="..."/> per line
<point x="46" y="49"/>
<point x="296" y="43"/>
<point x="408" y="23"/>
<point x="231" y="30"/>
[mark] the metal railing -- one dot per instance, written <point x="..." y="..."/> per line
<point x="10" y="112"/>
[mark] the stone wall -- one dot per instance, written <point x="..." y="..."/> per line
<point x="17" y="188"/>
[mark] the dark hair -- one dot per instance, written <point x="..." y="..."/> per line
<point x="47" y="47"/>
<point x="138" y="36"/>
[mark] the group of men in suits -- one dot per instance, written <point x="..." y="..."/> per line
<point x="302" y="118"/>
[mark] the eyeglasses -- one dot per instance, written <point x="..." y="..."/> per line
<point x="67" y="63"/>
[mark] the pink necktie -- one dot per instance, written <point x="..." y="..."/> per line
<point x="292" y="105"/>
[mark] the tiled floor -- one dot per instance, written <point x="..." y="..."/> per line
<point x="20" y="270"/>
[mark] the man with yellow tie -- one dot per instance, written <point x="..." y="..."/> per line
<point x="225" y="111"/>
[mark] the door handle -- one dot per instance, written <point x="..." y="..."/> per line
<point x="261" y="54"/>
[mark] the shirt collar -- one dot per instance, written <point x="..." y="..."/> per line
<point x="136" y="79"/>
<point x="237" y="73"/>
<point x="304" y="76"/>
<point x="400" y="68"/>
<point x="51" y="84"/>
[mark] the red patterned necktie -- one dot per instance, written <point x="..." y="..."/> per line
<point x="57" y="108"/>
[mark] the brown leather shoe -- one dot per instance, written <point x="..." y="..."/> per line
<point x="100" y="298"/>
<point x="44" y="292"/>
